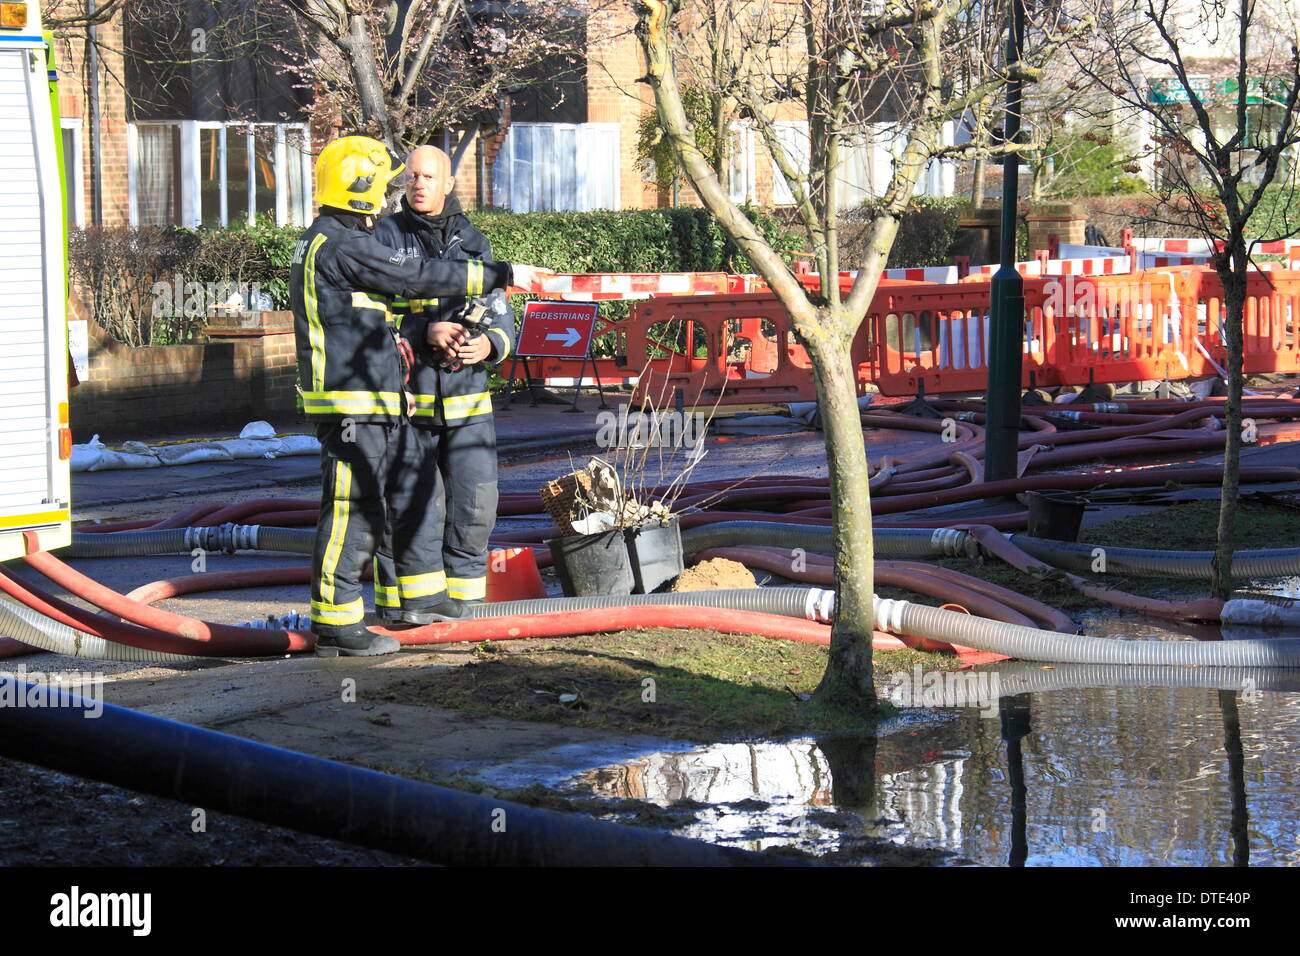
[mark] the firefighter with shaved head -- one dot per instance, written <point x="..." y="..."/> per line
<point x="353" y="370"/>
<point x="456" y="340"/>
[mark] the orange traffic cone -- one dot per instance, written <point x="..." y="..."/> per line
<point x="513" y="575"/>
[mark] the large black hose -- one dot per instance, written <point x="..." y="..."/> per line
<point x="284" y="788"/>
<point x="1263" y="563"/>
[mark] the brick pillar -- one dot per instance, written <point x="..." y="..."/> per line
<point x="1066" y="221"/>
<point x="272" y="360"/>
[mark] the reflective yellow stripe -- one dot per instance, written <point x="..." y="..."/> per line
<point x="315" y="331"/>
<point x="422" y="585"/>
<point x="338" y="528"/>
<point x="467" y="406"/>
<point x="38" y="517"/>
<point x="354" y="612"/>
<point x="363" y="300"/>
<point x="505" y="343"/>
<point x="474" y="277"/>
<point x="467" y="589"/>
<point x="352" y="403"/>
<point x="385" y="594"/>
<point x="454" y="407"/>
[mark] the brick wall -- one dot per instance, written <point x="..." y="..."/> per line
<point x="615" y="63"/>
<point x="74" y="101"/>
<point x="237" y="376"/>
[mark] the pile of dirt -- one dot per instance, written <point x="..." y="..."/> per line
<point x="716" y="574"/>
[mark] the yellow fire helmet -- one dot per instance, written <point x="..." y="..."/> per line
<point x="353" y="172"/>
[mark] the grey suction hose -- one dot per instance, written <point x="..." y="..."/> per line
<point x="32" y="627"/>
<point x="889" y="542"/>
<point x="1022" y="678"/>
<point x="1193" y="565"/>
<point x="1032" y="644"/>
<point x="227" y="537"/>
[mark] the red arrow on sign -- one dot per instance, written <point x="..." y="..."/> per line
<point x="557" y="329"/>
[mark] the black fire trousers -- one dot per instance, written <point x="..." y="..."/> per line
<point x="377" y="478"/>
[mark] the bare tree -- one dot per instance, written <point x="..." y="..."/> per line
<point x="403" y="70"/>
<point x="857" y="70"/>
<point x="1218" y="85"/>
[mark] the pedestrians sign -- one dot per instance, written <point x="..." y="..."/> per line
<point x="557" y="329"/>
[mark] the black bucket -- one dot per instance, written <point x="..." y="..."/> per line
<point x="1056" y="517"/>
<point x="590" y="564"/>
<point x="656" y="552"/>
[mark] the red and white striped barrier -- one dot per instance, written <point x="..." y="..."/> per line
<point x="1196" y="247"/>
<point x="634" y="285"/>
<point x="1094" y="266"/>
<point x="1154" y="260"/>
<point x="942" y="274"/>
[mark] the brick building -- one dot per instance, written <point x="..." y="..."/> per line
<point x="180" y="149"/>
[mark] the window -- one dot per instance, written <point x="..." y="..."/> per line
<point x="740" y="160"/>
<point x="792" y="138"/>
<point x="545" y="166"/>
<point x="157" y="175"/>
<point x="866" y="164"/>
<point x="72" y="179"/>
<point x="217" y="174"/>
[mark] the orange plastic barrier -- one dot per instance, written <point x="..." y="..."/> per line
<point x="1121" y="328"/>
<point x="1272" y="309"/>
<point x="1155" y="324"/>
<point x="935" y="338"/>
<point x="750" y="351"/>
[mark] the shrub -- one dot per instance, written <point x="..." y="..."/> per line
<point x="643" y="240"/>
<point x="258" y="254"/>
<point x="116" y="269"/>
<point x="925" y="233"/>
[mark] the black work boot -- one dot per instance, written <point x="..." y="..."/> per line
<point x="359" y="643"/>
<point x="449" y="609"/>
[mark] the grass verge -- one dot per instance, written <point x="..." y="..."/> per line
<point x="689" y="685"/>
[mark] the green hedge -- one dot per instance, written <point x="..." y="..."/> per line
<point x="106" y="262"/>
<point x="643" y="240"/>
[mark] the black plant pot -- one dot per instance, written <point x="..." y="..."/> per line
<point x="590" y="564"/>
<point x="656" y="552"/>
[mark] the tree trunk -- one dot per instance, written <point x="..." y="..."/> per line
<point x="365" y="71"/>
<point x="849" y="676"/>
<point x="1233" y="278"/>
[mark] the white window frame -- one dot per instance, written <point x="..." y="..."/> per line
<point x="76" y="186"/>
<point x="741" y="160"/>
<point x="502" y="183"/>
<point x="191" y="212"/>
<point x="782" y="193"/>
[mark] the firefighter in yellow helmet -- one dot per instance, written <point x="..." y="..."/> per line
<point x="352" y="370"/>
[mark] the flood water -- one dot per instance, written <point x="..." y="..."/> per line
<point x="1062" y="773"/>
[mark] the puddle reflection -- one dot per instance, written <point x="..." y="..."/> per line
<point x="1107" y="775"/>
